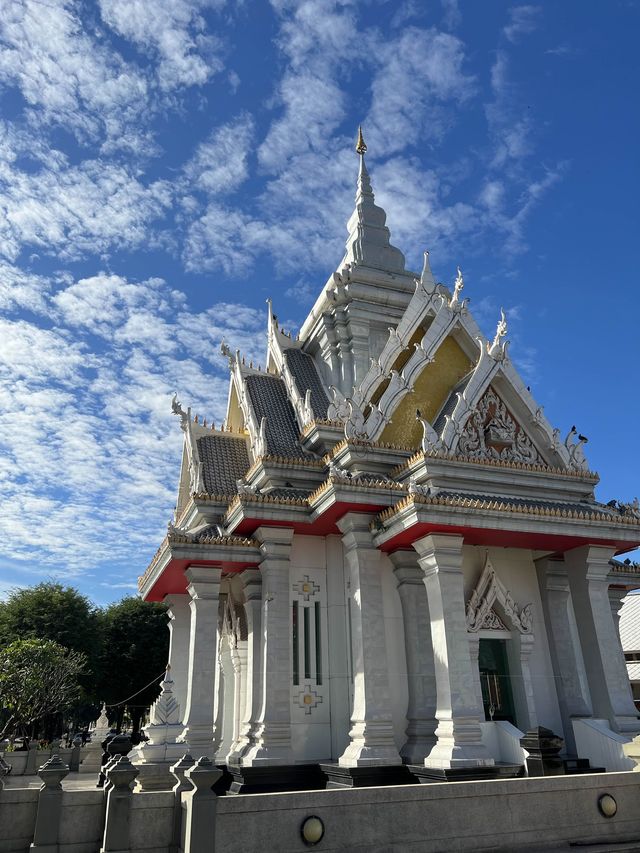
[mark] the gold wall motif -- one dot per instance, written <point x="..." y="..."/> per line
<point x="431" y="389"/>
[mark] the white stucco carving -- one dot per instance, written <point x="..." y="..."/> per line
<point x="492" y="433"/>
<point x="488" y="591"/>
<point x="498" y="348"/>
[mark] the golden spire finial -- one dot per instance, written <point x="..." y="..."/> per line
<point x="361" y="145"/>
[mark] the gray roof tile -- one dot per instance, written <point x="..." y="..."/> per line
<point x="305" y="373"/>
<point x="225" y="459"/>
<point x="268" y="396"/>
<point x="630" y="624"/>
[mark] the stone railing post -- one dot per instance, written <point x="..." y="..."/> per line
<point x="199" y="830"/>
<point x="179" y="769"/>
<point x="32" y="759"/>
<point x="120" y="775"/>
<point x="45" y="836"/>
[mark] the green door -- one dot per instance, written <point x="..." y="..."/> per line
<point x="497" y="696"/>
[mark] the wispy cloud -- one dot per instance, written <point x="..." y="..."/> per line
<point x="67" y="74"/>
<point x="85" y="425"/>
<point x="175" y="32"/>
<point x="522" y="21"/>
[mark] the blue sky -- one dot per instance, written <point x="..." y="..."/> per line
<point x="165" y="165"/>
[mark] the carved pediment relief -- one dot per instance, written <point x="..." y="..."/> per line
<point x="490" y="591"/>
<point x="491" y="432"/>
<point x="492" y="622"/>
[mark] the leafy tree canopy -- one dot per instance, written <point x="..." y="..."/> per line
<point x="134" y="651"/>
<point x="37" y="677"/>
<point x="51" y="611"/>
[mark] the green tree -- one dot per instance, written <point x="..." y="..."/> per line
<point x="134" y="655"/>
<point x="50" y="611"/>
<point x="37" y="678"/>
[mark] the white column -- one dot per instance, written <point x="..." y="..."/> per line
<point x="204" y="590"/>
<point x="252" y="584"/>
<point x="421" y="677"/>
<point x="588" y="568"/>
<point x="459" y="735"/>
<point x="179" y="626"/>
<point x="226" y="702"/>
<point x="474" y="654"/>
<point x="272" y="733"/>
<point x="239" y="661"/>
<point x="616" y="596"/>
<point x="372" y="736"/>
<point x="564" y="645"/>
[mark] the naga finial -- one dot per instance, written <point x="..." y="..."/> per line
<point x="177" y="409"/>
<point x="457" y="289"/>
<point x="361" y="145"/>
<point x="497" y="350"/>
<point x="226" y="352"/>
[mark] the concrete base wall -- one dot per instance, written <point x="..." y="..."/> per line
<point x="499" y="816"/>
<point x="503" y="815"/>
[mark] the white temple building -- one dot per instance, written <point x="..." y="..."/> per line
<point x="387" y="557"/>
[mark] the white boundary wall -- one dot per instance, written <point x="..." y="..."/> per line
<point x="504" y="815"/>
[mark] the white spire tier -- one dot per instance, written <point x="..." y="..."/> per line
<point x="368" y="243"/>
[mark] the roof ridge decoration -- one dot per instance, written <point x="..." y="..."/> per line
<point x="277" y="344"/>
<point x="444" y="311"/>
<point x="488" y="591"/>
<point x="196" y="468"/>
<point x="368" y="243"/>
<point x="497" y="505"/>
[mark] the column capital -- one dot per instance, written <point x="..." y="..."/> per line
<point x="204" y="581"/>
<point x="440" y="552"/>
<point x="355" y="530"/>
<point x="174" y="602"/>
<point x="279" y="535"/>
<point x="406" y="568"/>
<point x="595" y="559"/>
<point x="251" y="581"/>
<point x="554" y="574"/>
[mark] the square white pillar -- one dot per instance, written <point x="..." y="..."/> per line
<point x="372" y="737"/>
<point x="271" y="736"/>
<point x="564" y="645"/>
<point x="459" y="735"/>
<point x="179" y="629"/>
<point x="204" y="592"/>
<point x="588" y="568"/>
<point x="252" y="586"/>
<point x="421" y="677"/>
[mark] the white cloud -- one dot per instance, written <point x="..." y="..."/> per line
<point x="416" y="75"/>
<point x="20" y="288"/>
<point x="522" y="21"/>
<point x="174" y="31"/>
<point x="66" y="73"/>
<point x="219" y="165"/>
<point x="91" y="207"/>
<point x="87" y="440"/>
